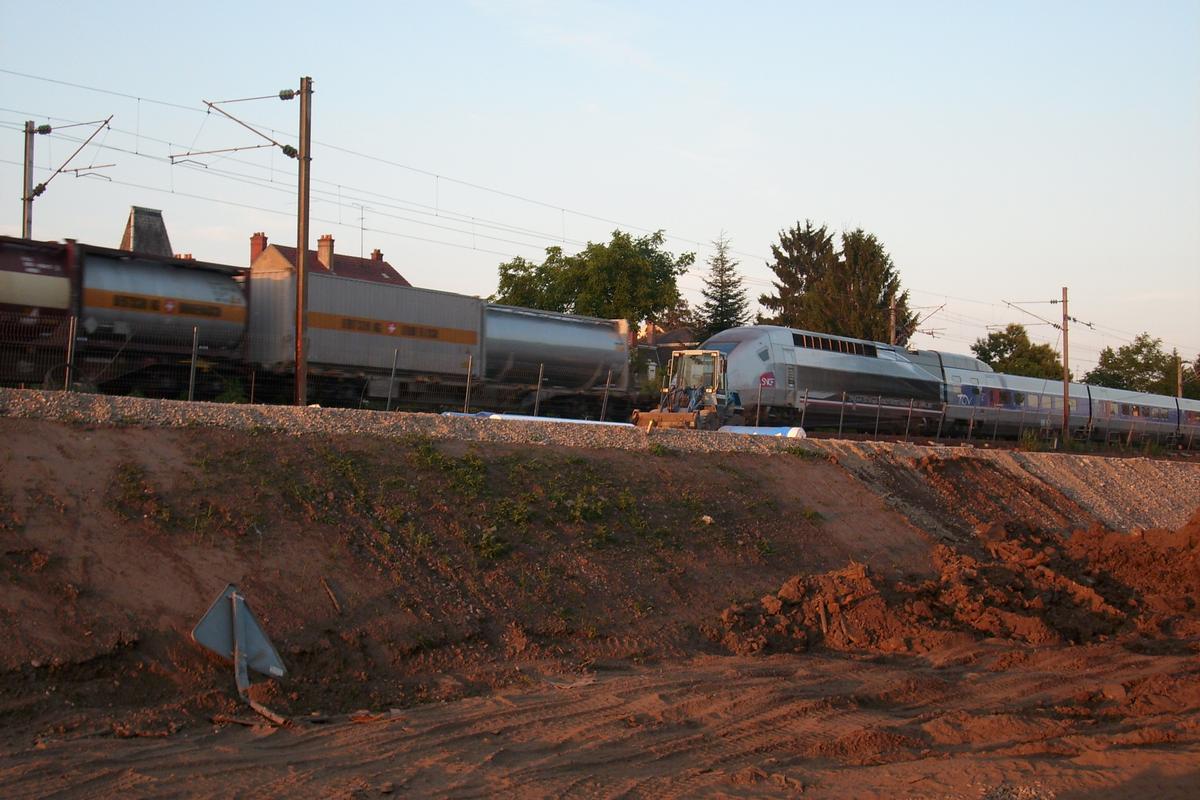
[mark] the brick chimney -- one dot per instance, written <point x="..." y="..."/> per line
<point x="325" y="251"/>
<point x="377" y="254"/>
<point x="258" y="243"/>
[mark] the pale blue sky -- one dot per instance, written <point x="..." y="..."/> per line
<point x="1000" y="151"/>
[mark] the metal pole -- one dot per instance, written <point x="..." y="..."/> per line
<point x="604" y="403"/>
<point x="69" y="376"/>
<point x="27" y="194"/>
<point x="192" y="372"/>
<point x="908" y="423"/>
<point x="971" y="424"/>
<point x="537" y="398"/>
<point x="804" y="409"/>
<point x="842" y="415"/>
<point x="758" y="404"/>
<point x="878" y="408"/>
<point x="392" y="379"/>
<point x="941" y="419"/>
<point x="252" y="374"/>
<point x="305" y="156"/>
<point x="467" y="396"/>
<point x="1066" y="424"/>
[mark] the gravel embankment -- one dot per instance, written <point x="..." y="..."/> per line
<point x="92" y="409"/>
<point x="1123" y="493"/>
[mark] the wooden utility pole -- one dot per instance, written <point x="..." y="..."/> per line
<point x="892" y="320"/>
<point x="1178" y="374"/>
<point x="305" y="157"/>
<point x="1066" y="422"/>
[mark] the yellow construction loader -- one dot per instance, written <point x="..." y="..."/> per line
<point x="695" y="395"/>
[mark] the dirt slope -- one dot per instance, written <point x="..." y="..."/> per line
<point x="596" y="621"/>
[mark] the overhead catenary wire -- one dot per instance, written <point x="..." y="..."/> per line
<point x="476" y="220"/>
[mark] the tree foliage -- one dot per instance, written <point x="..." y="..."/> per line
<point x="625" y="278"/>
<point x="1143" y="366"/>
<point x="725" y="303"/>
<point x="1011" y="352"/>
<point x="681" y="315"/>
<point x="844" y="291"/>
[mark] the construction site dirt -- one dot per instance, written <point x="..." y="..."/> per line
<point x="473" y="618"/>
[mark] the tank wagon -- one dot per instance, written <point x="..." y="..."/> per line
<point x="367" y="341"/>
<point x="134" y="313"/>
<point x="359" y="331"/>
<point x="795" y="376"/>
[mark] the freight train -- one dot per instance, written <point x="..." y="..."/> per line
<point x="786" y="376"/>
<point x="368" y="343"/>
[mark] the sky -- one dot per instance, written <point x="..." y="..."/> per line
<point x="1000" y="151"/>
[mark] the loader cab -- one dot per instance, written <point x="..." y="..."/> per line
<point x="700" y="376"/>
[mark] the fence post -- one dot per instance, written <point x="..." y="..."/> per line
<point x="69" y="374"/>
<point x="537" y="398"/>
<point x="941" y="419"/>
<point x="996" y="425"/>
<point x="842" y="414"/>
<point x="878" y="408"/>
<point x="392" y="378"/>
<point x="971" y="424"/>
<point x="804" y="409"/>
<point x="908" y="423"/>
<point x="758" y="403"/>
<point x="604" y="402"/>
<point x="253" y="372"/>
<point x="192" y="371"/>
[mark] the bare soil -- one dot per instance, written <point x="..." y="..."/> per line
<point x="500" y="618"/>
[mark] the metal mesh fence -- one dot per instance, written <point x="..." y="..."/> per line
<point x="47" y="351"/>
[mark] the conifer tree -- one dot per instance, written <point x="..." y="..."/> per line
<point x="846" y="292"/>
<point x="725" y="302"/>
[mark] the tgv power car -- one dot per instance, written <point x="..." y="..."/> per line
<point x="795" y="376"/>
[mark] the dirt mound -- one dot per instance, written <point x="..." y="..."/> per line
<point x="1023" y="586"/>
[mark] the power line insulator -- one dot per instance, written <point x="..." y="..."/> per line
<point x="37" y="190"/>
<point x="44" y="129"/>
<point x="287" y="94"/>
<point x="290" y="151"/>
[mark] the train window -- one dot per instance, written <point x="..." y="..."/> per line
<point x="1124" y="409"/>
<point x="1074" y="404"/>
<point x="764" y="354"/>
<point x="1019" y="398"/>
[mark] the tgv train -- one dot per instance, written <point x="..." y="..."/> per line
<point x="788" y="376"/>
<point x="124" y="322"/>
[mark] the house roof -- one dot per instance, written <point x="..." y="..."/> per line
<point x="145" y="232"/>
<point x="362" y="269"/>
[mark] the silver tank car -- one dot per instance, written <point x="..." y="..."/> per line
<point x="575" y="352"/>
<point x="160" y="300"/>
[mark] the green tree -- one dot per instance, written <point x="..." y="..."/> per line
<point x="1140" y="366"/>
<point x="680" y="315"/>
<point x="625" y="278"/>
<point x="846" y="292"/>
<point x="1010" y="351"/>
<point x="802" y="257"/>
<point x="725" y="303"/>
